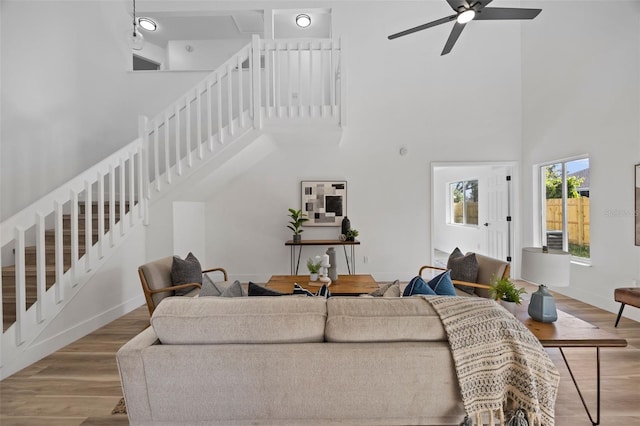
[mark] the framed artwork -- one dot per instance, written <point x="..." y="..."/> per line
<point x="637" y="204"/>
<point x="324" y="202"/>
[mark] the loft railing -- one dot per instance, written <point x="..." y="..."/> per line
<point x="51" y="248"/>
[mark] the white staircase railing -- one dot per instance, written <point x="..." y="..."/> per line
<point x="51" y="248"/>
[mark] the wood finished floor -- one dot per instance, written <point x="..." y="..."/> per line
<point x="79" y="384"/>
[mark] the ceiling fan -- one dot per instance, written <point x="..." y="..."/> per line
<point x="466" y="11"/>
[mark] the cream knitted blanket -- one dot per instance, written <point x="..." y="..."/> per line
<point x="497" y="360"/>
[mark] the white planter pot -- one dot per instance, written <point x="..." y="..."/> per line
<point x="509" y="306"/>
<point x="313" y="277"/>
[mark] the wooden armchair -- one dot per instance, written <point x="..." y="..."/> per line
<point x="488" y="267"/>
<point x="155" y="278"/>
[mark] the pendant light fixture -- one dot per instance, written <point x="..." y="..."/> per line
<point x="136" y="40"/>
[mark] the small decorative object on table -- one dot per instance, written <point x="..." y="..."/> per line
<point x="346" y="225"/>
<point x="506" y="293"/>
<point x="333" y="270"/>
<point x="351" y="234"/>
<point x="314" y="267"/>
<point x="324" y="267"/>
<point x="295" y="224"/>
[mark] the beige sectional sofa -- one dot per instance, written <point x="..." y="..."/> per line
<point x="291" y="361"/>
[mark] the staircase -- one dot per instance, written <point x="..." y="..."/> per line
<point x="51" y="249"/>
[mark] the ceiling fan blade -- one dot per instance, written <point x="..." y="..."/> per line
<point x="495" y="13"/>
<point x="453" y="37"/>
<point x="423" y="27"/>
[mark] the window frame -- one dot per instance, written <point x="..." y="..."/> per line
<point x="540" y="210"/>
<point x="450" y="190"/>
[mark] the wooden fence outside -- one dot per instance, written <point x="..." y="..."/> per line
<point x="577" y="217"/>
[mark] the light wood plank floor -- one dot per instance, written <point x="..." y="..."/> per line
<point x="79" y="384"/>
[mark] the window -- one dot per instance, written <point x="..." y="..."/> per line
<point x="464" y="202"/>
<point x="565" y="206"/>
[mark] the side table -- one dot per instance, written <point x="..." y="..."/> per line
<point x="295" y="263"/>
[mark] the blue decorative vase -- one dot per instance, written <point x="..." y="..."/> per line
<point x="542" y="307"/>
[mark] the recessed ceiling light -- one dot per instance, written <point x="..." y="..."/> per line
<point x="147" y="23"/>
<point x="303" y="20"/>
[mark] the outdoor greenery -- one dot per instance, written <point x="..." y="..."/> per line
<point x="554" y="184"/>
<point x="504" y="289"/>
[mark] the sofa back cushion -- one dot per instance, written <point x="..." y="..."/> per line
<point x="215" y="320"/>
<point x="369" y="319"/>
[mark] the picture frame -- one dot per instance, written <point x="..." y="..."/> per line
<point x="324" y="202"/>
<point x="636" y="212"/>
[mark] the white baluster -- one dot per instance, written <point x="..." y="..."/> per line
<point x="41" y="267"/>
<point x="219" y="104"/>
<point x="21" y="285"/>
<point x="101" y="200"/>
<point x="209" y="116"/>
<point x="167" y="151"/>
<point x="199" y="121"/>
<point x="112" y="206"/>
<point x="230" y="99"/>
<point x="122" y="195"/>
<point x="59" y="252"/>
<point x="88" y="224"/>
<point x="240" y="94"/>
<point x="131" y="193"/>
<point x="75" y="253"/>
<point x="178" y="142"/>
<point x="156" y="156"/>
<point x="187" y="123"/>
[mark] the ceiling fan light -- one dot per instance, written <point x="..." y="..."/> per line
<point x="147" y="24"/>
<point x="466" y="16"/>
<point x="303" y="20"/>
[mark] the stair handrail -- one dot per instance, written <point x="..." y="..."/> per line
<point x="25" y="218"/>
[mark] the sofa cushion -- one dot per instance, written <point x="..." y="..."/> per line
<point x="387" y="290"/>
<point x="417" y="286"/>
<point x="441" y="284"/>
<point x="185" y="271"/>
<point x="258" y="290"/>
<point x="219" y="320"/>
<point x="381" y="319"/>
<point x="220" y="289"/>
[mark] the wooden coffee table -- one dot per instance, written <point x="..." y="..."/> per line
<point x="347" y="285"/>
<point x="571" y="332"/>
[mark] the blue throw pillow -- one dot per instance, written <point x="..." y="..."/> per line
<point x="417" y="286"/>
<point x="442" y="284"/>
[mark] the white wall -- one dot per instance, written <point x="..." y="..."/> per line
<point x="204" y="54"/>
<point x="400" y="93"/>
<point x="68" y="99"/>
<point x="580" y="96"/>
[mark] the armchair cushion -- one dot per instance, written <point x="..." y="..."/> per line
<point x="463" y="268"/>
<point x="185" y="271"/>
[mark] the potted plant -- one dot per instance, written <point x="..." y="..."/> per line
<point x="505" y="292"/>
<point x="314" y="268"/>
<point x="351" y="234"/>
<point x="295" y="224"/>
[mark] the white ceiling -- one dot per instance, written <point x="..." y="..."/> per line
<point x="233" y="25"/>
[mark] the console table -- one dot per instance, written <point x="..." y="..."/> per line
<point x="296" y="263"/>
